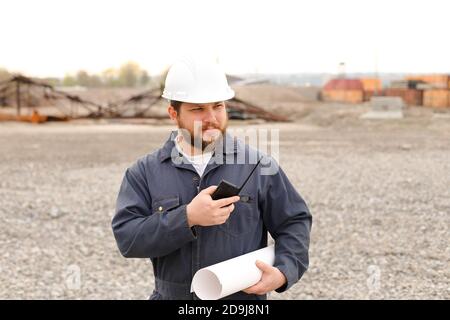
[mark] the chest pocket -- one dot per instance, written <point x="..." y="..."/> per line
<point x="244" y="217"/>
<point x="165" y="204"/>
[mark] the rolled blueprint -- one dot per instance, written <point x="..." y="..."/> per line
<point x="230" y="276"/>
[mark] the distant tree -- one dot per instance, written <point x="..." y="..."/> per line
<point x="83" y="78"/>
<point x="162" y="79"/>
<point x="4" y="74"/>
<point x="52" y="81"/>
<point x="145" y="78"/>
<point x="109" y="78"/>
<point x="69" y="81"/>
<point x="129" y="74"/>
<point x="95" y="81"/>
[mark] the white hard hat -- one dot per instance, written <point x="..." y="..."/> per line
<point x="196" y="81"/>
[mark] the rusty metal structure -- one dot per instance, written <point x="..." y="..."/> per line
<point x="142" y="102"/>
<point x="21" y="91"/>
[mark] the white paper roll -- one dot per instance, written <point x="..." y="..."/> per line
<point x="230" y="276"/>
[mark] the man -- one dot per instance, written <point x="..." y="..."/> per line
<point x="165" y="211"/>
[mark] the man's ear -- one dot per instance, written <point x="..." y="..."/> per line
<point x="172" y="113"/>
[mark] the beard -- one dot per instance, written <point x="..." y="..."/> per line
<point x="205" y="136"/>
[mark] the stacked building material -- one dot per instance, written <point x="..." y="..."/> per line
<point x="436" y="89"/>
<point x="436" y="98"/>
<point x="411" y="97"/>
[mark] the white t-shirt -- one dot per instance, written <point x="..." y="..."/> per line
<point x="199" y="162"/>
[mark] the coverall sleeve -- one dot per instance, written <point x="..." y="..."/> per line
<point x="138" y="231"/>
<point x="287" y="218"/>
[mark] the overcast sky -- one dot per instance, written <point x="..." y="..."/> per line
<point x="51" y="38"/>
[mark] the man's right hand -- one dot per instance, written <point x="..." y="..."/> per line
<point x="204" y="211"/>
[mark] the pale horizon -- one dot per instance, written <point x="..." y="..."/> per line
<point x="50" y="38"/>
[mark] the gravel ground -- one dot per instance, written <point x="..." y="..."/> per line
<point x="379" y="193"/>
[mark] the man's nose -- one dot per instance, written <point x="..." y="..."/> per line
<point x="209" y="116"/>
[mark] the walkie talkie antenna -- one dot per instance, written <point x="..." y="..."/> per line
<point x="254" y="168"/>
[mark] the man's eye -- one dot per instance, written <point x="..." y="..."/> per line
<point x="219" y="106"/>
<point x="196" y="109"/>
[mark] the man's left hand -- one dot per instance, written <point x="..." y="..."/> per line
<point x="271" y="279"/>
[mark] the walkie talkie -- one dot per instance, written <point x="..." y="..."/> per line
<point x="226" y="189"/>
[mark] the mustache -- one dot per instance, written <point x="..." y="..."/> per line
<point x="210" y="127"/>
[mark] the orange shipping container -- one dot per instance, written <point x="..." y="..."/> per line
<point x="351" y="96"/>
<point x="371" y="84"/>
<point x="411" y="97"/>
<point x="436" y="98"/>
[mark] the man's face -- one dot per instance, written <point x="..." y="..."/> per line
<point x="205" y="122"/>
